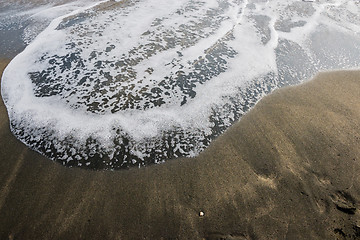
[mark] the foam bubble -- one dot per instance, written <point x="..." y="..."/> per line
<point x="129" y="83"/>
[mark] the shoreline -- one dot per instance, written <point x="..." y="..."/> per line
<point x="287" y="169"/>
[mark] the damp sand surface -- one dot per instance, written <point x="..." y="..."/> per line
<point x="287" y="170"/>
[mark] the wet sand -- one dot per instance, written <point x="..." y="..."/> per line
<point x="288" y="170"/>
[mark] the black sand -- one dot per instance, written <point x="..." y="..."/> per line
<point x="288" y="170"/>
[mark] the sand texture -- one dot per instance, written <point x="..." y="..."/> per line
<point x="288" y="170"/>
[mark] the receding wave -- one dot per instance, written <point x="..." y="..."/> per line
<point x="130" y="83"/>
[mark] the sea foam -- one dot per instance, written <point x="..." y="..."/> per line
<point x="127" y="83"/>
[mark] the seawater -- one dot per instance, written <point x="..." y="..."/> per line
<point x="116" y="84"/>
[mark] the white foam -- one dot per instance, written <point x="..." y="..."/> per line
<point x="188" y="70"/>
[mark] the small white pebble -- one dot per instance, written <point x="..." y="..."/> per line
<point x="201" y="213"/>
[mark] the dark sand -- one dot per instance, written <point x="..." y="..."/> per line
<point x="288" y="170"/>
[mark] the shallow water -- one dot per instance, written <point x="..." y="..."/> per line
<point x="130" y="83"/>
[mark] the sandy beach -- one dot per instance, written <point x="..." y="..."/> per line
<point x="287" y="170"/>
